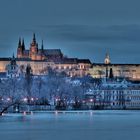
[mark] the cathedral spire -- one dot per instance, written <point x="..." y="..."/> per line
<point x="13" y="60"/>
<point x="19" y="43"/>
<point x="42" y="46"/>
<point x="107" y="59"/>
<point x="23" y="45"/>
<point x="13" y="56"/>
<point x="34" y="38"/>
<point x="107" y="55"/>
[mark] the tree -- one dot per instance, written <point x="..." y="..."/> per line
<point x="28" y="82"/>
<point x="11" y="93"/>
<point x="101" y="73"/>
<point x="111" y="76"/>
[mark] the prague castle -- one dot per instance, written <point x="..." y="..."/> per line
<point x="34" y="53"/>
<point x="41" y="59"/>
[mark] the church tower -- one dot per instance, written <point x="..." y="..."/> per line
<point x="42" y="51"/>
<point x="107" y="59"/>
<point x="33" y="48"/>
<point x="23" y="46"/>
<point x="107" y="62"/>
<point x="19" y="49"/>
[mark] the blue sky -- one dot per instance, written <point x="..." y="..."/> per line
<point x="81" y="28"/>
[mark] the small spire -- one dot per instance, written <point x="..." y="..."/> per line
<point x="13" y="60"/>
<point x="42" y="46"/>
<point x="19" y="43"/>
<point x="107" y="55"/>
<point x="23" y="45"/>
<point x="107" y="59"/>
<point x="34" y="38"/>
<point x="13" y="56"/>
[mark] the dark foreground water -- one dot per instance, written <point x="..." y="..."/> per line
<point x="96" y="125"/>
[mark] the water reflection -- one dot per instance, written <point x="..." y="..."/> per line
<point x="102" y="125"/>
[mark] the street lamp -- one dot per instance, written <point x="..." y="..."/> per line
<point x="91" y="100"/>
<point x="8" y="99"/>
<point x="25" y="99"/>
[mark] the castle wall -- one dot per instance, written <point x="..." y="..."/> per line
<point x="41" y="67"/>
<point x="3" y="65"/>
<point x="128" y="71"/>
<point x="38" y="67"/>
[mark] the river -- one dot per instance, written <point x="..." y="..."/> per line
<point x="80" y="125"/>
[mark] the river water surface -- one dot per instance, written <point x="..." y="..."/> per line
<point x="88" y="125"/>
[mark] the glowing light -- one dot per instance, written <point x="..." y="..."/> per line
<point x="24" y="113"/>
<point x="57" y="99"/>
<point x="91" y="113"/>
<point x="32" y="99"/>
<point x="91" y="100"/>
<point x="8" y="99"/>
<point x="16" y="109"/>
<point x="25" y="99"/>
<point x="31" y="112"/>
<point x="56" y="112"/>
<point x="83" y="101"/>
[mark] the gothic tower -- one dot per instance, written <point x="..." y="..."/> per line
<point x="107" y="59"/>
<point x="33" y="48"/>
<point x="19" y="49"/>
<point x="42" y="51"/>
<point x="23" y="45"/>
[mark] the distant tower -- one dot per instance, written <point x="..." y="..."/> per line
<point x="13" y="60"/>
<point x="23" y="45"/>
<point x="12" y="68"/>
<point x="42" y="51"/>
<point x="107" y="59"/>
<point x="42" y="46"/>
<point x="19" y="49"/>
<point x="33" y="48"/>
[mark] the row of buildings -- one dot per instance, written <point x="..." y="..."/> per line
<point x="40" y="59"/>
<point x="114" y="95"/>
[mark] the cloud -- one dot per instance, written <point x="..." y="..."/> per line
<point x="99" y="34"/>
